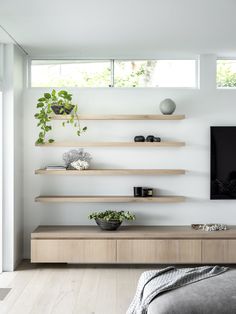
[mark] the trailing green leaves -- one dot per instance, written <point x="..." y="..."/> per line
<point x="63" y="100"/>
<point x="43" y="123"/>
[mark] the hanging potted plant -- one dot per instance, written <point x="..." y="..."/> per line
<point x="59" y="103"/>
<point x="111" y="219"/>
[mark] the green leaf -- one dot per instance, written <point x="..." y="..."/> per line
<point x="40" y="105"/>
<point x="36" y="115"/>
<point x="78" y="133"/>
<point x="48" y="128"/>
<point x="85" y="128"/>
<point x="62" y="93"/>
<point x="47" y="95"/>
<point x="50" y="140"/>
<point x="41" y="99"/>
<point x="63" y="124"/>
<point x="53" y="93"/>
<point x="40" y="141"/>
<point x="67" y="105"/>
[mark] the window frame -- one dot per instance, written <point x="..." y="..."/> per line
<point x="112" y="62"/>
<point x="29" y="77"/>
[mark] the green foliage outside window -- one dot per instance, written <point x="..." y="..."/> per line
<point x="140" y="74"/>
<point x="226" y="77"/>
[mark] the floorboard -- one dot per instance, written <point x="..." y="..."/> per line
<point x="69" y="289"/>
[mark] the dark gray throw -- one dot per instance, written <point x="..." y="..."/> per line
<point x="154" y="282"/>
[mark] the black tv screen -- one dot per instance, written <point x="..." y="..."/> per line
<point x="223" y="162"/>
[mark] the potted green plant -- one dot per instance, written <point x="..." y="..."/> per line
<point x="59" y="103"/>
<point x="111" y="219"/>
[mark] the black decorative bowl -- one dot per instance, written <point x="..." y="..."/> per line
<point x="109" y="225"/>
<point x="57" y="109"/>
<point x="139" y="138"/>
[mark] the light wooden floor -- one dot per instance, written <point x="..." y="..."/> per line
<point x="69" y="289"/>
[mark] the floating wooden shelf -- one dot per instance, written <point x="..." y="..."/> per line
<point x="109" y="199"/>
<point x="104" y="172"/>
<point x="121" y="117"/>
<point x="113" y="144"/>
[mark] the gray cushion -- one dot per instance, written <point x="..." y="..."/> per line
<point x="216" y="295"/>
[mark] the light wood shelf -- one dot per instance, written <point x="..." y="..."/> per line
<point x="129" y="232"/>
<point x="121" y="117"/>
<point x="110" y="172"/>
<point x="109" y="199"/>
<point x="113" y="144"/>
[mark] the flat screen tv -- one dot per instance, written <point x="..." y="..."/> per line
<point x="223" y="162"/>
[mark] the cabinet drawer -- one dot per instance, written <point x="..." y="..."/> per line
<point x="73" y="251"/>
<point x="158" y="251"/>
<point x="219" y="251"/>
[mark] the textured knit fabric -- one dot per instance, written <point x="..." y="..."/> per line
<point x="154" y="282"/>
<point x="215" y="295"/>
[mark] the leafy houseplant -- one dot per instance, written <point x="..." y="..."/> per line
<point x="59" y="103"/>
<point x="111" y="219"/>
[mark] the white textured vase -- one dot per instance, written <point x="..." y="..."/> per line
<point x="167" y="106"/>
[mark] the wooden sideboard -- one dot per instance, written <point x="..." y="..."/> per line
<point x="132" y="245"/>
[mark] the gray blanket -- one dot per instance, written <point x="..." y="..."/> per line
<point x="154" y="282"/>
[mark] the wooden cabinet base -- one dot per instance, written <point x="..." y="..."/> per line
<point x="73" y="251"/>
<point x="132" y="245"/>
<point x="223" y="251"/>
<point x="158" y="251"/>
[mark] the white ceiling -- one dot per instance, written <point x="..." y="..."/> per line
<point x="121" y="28"/>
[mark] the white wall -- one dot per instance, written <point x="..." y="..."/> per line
<point x="1" y="153"/>
<point x="8" y="159"/>
<point x="204" y="107"/>
<point x="19" y="67"/>
<point x="12" y="156"/>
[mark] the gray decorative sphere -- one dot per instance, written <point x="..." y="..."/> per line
<point x="167" y="106"/>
